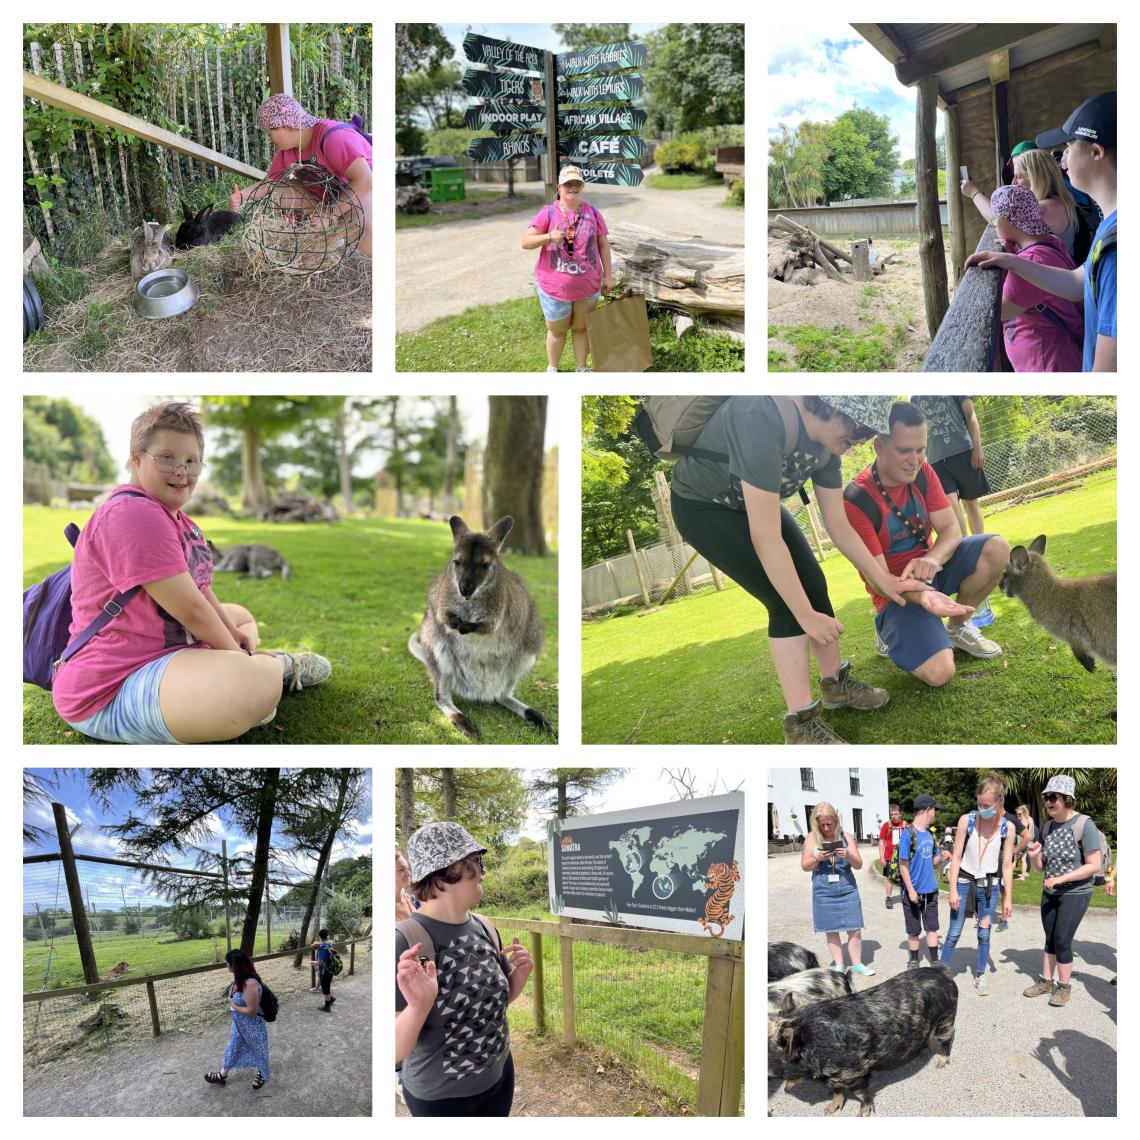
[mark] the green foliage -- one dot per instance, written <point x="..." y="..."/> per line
<point x="475" y="204"/>
<point x="694" y="75"/>
<point x="69" y="442"/>
<point x="684" y="153"/>
<point x="343" y="916"/>
<point x="490" y="802"/>
<point x="835" y="350"/>
<point x="450" y="140"/>
<point x="190" y="921"/>
<point x="796" y="165"/>
<point x="736" y="193"/>
<point x="131" y="924"/>
<point x="864" y="169"/>
<point x="697" y="180"/>
<point x="578" y="37"/>
<point x="516" y="881"/>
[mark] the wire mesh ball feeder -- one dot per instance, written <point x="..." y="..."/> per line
<point x="307" y="221"/>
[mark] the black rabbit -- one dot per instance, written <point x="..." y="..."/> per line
<point x="205" y="226"/>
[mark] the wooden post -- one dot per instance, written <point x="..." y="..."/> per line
<point x="569" y="1033"/>
<point x="954" y="197"/>
<point x="539" y="998"/>
<point x="280" y="72"/>
<point x="637" y="566"/>
<point x="550" y="88"/>
<point x="352" y="957"/>
<point x="717" y="577"/>
<point x="733" y="1082"/>
<point x="931" y="249"/>
<point x="75" y="896"/>
<point x="861" y="259"/>
<point x="719" y="1026"/>
<point x="226" y="895"/>
<point x="268" y="921"/>
<point x="816" y="537"/>
<point x="613" y="579"/>
<point x="1000" y="105"/>
<point x="154" y="1022"/>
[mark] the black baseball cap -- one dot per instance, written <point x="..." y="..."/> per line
<point x="1094" y="121"/>
<point x="921" y="803"/>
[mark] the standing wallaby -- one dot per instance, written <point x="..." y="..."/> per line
<point x="1079" y="611"/>
<point x="481" y="633"/>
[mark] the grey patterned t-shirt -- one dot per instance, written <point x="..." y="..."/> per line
<point x="946" y="431"/>
<point x="1062" y="853"/>
<point x="749" y="430"/>
<point x="464" y="1044"/>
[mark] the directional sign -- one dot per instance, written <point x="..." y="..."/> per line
<point x="506" y="146"/>
<point x="602" y="89"/>
<point x="505" y="118"/>
<point x="500" y="53"/>
<point x="505" y="85"/>
<point x="603" y="121"/>
<point x="601" y="146"/>
<point x="611" y="173"/>
<point x="612" y="57"/>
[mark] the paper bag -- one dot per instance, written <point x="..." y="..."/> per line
<point x="619" y="336"/>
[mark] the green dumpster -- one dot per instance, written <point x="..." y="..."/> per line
<point x="448" y="183"/>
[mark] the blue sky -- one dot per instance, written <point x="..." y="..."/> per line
<point x="533" y="35"/>
<point x="108" y="885"/>
<point x="818" y="70"/>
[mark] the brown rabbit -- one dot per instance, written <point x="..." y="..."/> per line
<point x="151" y="249"/>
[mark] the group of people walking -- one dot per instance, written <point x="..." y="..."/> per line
<point x="988" y="841"/>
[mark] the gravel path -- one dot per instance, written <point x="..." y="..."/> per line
<point x="1012" y="1055"/>
<point x="321" y="1065"/>
<point x="445" y="269"/>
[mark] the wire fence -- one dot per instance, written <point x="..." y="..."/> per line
<point x="1021" y="464"/>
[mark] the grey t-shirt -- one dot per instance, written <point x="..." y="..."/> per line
<point x="946" y="431"/>
<point x="464" y="1044"/>
<point x="749" y="430"/>
<point x="1062" y="854"/>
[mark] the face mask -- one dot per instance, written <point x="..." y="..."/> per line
<point x="987" y="813"/>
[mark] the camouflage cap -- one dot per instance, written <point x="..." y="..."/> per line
<point x="871" y="411"/>
<point x="438" y="845"/>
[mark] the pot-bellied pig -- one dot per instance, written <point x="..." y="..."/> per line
<point x="786" y="958"/>
<point x="805" y="988"/>
<point x="844" y="1041"/>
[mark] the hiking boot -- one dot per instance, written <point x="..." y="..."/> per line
<point x="807" y="727"/>
<point x="843" y="692"/>
<point x="982" y="986"/>
<point x="303" y="670"/>
<point x="1002" y="925"/>
<point x="889" y="900"/>
<point x="1061" y="994"/>
<point x="1039" y="987"/>
<point x="983" y="615"/>
<point x="968" y="638"/>
<point x="881" y="646"/>
<point x="913" y="964"/>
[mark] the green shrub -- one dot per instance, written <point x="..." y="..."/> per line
<point x="516" y="881"/>
<point x="450" y="140"/>
<point x="736" y="193"/>
<point x="342" y="916"/>
<point x="687" y="152"/>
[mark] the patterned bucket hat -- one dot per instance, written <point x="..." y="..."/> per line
<point x="1066" y="785"/>
<point x="437" y="846"/>
<point x="871" y="411"/>
<point x="1018" y="205"/>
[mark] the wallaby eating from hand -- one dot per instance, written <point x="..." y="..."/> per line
<point x="481" y="633"/>
<point x="1079" y="611"/>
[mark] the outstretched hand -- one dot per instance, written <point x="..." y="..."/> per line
<point x="942" y="606"/>
<point x="912" y="586"/>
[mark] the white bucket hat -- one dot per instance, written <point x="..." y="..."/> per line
<point x="1066" y="785"/>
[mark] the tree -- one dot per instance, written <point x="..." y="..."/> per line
<point x="419" y="48"/>
<point x="35" y="794"/>
<point x="490" y="802"/>
<point x="864" y="164"/>
<point x="578" y="37"/>
<point x="796" y="164"/>
<point x="405" y="804"/>
<point x="66" y="440"/>
<point x="694" y="74"/>
<point x="343" y="916"/>
<point x="567" y="789"/>
<point x="437" y="95"/>
<point x="513" y="469"/>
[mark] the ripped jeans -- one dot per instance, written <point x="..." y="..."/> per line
<point x="986" y="904"/>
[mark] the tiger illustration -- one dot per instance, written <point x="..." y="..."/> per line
<point x="721" y="879"/>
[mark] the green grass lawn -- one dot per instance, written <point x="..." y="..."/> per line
<point x="699" y="671"/>
<point x="694" y="180"/>
<point x="838" y="349"/>
<point x="477" y="204"/>
<point x="357" y="592"/>
<point x="511" y="337"/>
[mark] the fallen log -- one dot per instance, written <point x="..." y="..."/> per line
<point x="822" y="261"/>
<point x="690" y="275"/>
<point x="786" y="224"/>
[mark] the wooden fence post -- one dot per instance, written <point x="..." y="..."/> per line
<point x="569" y="1033"/>
<point x="539" y="998"/>
<point x="352" y="957"/>
<point x="722" y="1047"/>
<point x="268" y="919"/>
<point x="637" y="567"/>
<point x="154" y="1023"/>
<point x="226" y="895"/>
<point x="75" y="896"/>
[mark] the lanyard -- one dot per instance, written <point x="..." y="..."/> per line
<point x="570" y="228"/>
<point x="917" y="531"/>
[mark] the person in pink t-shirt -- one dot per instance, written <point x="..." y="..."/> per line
<point x="573" y="266"/>
<point x="298" y="136"/>
<point x="175" y="665"/>
<point x="1043" y="332"/>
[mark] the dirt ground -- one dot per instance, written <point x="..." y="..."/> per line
<point x="832" y="303"/>
<point x="554" y="1080"/>
<point x="444" y="270"/>
<point x="320" y="1065"/>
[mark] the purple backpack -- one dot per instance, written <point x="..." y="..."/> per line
<point x="47" y="618"/>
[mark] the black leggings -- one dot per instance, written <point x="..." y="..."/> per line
<point x="1060" y="916"/>
<point x="496" y="1101"/>
<point x="721" y="535"/>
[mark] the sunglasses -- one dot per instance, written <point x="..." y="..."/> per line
<point x="475" y="861"/>
<point x="1051" y="797"/>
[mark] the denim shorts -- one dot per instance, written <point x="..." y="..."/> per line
<point x="914" y="635"/>
<point x="133" y="715"/>
<point x="555" y="310"/>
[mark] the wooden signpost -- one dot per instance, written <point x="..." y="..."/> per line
<point x="604" y="120"/>
<point x="615" y="147"/>
<point x="511" y="86"/>
<point x="506" y="146"/>
<point x="612" y="57"/>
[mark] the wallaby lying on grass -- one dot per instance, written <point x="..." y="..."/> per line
<point x="481" y="633"/>
<point x="254" y="559"/>
<point x="1079" y="611"/>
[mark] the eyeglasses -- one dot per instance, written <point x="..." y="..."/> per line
<point x="475" y="860"/>
<point x="574" y="187"/>
<point x="168" y="465"/>
<point x="1051" y="797"/>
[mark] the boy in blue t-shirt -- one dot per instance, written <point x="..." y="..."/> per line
<point x="1089" y="135"/>
<point x="920" y="885"/>
<point x="322" y="960"/>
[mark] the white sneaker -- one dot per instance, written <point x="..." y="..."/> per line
<point x="881" y="646"/>
<point x="581" y="369"/>
<point x="969" y="639"/>
<point x="551" y="368"/>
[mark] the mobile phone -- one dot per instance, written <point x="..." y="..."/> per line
<point x="965" y="173"/>
<point x="834" y="845"/>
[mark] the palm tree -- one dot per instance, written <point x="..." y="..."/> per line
<point x="1098" y="784"/>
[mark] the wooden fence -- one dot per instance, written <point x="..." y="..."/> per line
<point x="841" y="218"/>
<point x="721" y="1080"/>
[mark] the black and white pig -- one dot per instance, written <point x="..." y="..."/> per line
<point x="786" y="958"/>
<point x="805" y="988"/>
<point x="844" y="1041"/>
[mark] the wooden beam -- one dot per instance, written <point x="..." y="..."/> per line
<point x="1062" y="61"/>
<point x="954" y="199"/>
<point x="997" y="67"/>
<point x="931" y="249"/>
<point x="43" y="90"/>
<point x="882" y="41"/>
<point x="1001" y="133"/>
<point x="280" y="65"/>
<point x="980" y="41"/>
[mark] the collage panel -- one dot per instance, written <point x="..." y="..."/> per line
<point x="949" y="580"/>
<point x="1006" y="883"/>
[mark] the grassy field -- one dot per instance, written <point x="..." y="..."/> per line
<point x="837" y="349"/>
<point x="357" y="592"/>
<point x="699" y="671"/>
<point x="477" y="204"/>
<point x="511" y="337"/>
<point x="691" y="181"/>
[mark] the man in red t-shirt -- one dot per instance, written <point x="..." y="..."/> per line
<point x="897" y="507"/>
<point x="889" y="835"/>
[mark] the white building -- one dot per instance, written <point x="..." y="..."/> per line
<point x="858" y="794"/>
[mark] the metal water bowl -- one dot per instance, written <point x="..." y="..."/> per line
<point x="165" y="293"/>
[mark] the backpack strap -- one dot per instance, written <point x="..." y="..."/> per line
<point x="1106" y="245"/>
<point x="1051" y="316"/>
<point x="866" y="503"/>
<point x="491" y="931"/>
<point x="415" y="932"/>
<point x="790" y="414"/>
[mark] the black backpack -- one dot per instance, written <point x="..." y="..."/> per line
<point x="269" y="1004"/>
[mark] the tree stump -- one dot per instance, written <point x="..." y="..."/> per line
<point x="861" y="259"/>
